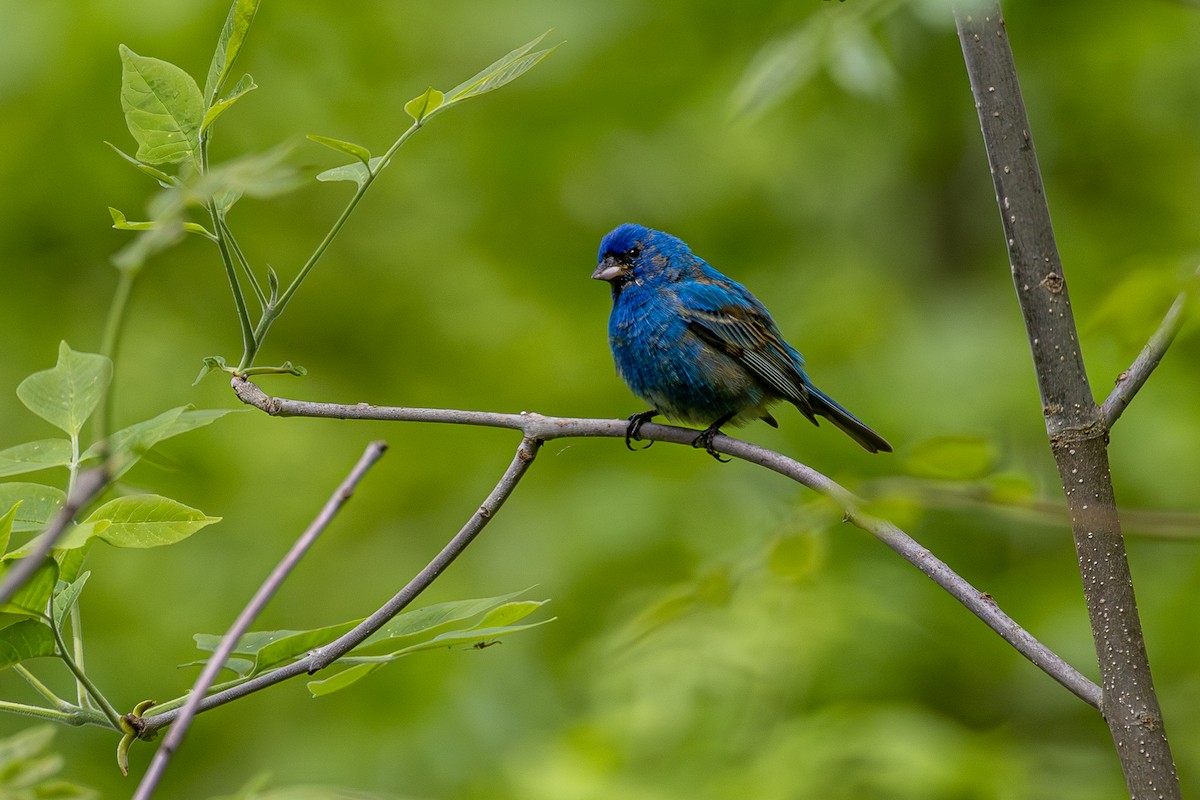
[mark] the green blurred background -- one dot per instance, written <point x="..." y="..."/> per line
<point x="719" y="634"/>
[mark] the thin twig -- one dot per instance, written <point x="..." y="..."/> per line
<point x="87" y="488"/>
<point x="319" y="659"/>
<point x="1132" y="379"/>
<point x="540" y="428"/>
<point x="264" y="594"/>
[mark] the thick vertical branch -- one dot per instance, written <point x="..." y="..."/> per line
<point x="1078" y="435"/>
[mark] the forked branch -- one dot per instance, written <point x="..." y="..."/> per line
<point x="539" y="428"/>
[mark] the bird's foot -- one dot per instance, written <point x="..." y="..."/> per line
<point x="705" y="440"/>
<point x="633" y="432"/>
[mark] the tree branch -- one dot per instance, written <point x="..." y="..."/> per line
<point x="538" y="428"/>
<point x="259" y="601"/>
<point x="323" y="657"/>
<point x="1077" y="432"/>
<point x="1132" y="379"/>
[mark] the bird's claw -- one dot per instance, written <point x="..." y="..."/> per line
<point x="633" y="431"/>
<point x="705" y="440"/>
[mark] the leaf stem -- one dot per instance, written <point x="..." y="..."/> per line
<point x="245" y="264"/>
<point x="114" y="324"/>
<point x="84" y="681"/>
<point x="67" y="716"/>
<point x="41" y="688"/>
<point x="272" y="311"/>
<point x="249" y="341"/>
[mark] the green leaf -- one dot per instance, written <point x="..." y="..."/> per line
<point x="29" y="638"/>
<point x="244" y="86"/>
<point x="356" y="172"/>
<point x="39" y="504"/>
<point x="67" y="395"/>
<point x="25" y="745"/>
<point x="500" y="72"/>
<point x="70" y="562"/>
<point x="229" y="44"/>
<point x="426" y="622"/>
<point x="123" y="224"/>
<point x="144" y="520"/>
<point x="66" y="598"/>
<point x="349" y="148"/>
<point x="467" y="637"/>
<point x="340" y="680"/>
<point x="32" y="599"/>
<point x="164" y="180"/>
<point x="259" y="175"/>
<point x="6" y="526"/>
<point x="952" y="458"/>
<point x="128" y="445"/>
<point x="163" y="109"/>
<point x="27" y="769"/>
<point x="483" y="633"/>
<point x="267" y="649"/>
<point x="33" y="456"/>
<point x="212" y="364"/>
<point x="424" y="104"/>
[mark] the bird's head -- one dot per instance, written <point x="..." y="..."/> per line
<point x="633" y="254"/>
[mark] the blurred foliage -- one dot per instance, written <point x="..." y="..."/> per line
<point x="719" y="634"/>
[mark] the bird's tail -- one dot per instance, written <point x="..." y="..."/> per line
<point x="853" y="427"/>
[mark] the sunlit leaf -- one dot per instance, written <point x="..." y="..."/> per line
<point x="66" y="395"/>
<point x="499" y="72"/>
<point x="356" y="172"/>
<point x="341" y="679"/>
<point x="163" y="108"/>
<point x="33" y="456"/>
<point x="229" y="44"/>
<point x="39" y="504"/>
<point x="144" y="520"/>
<point x="244" y="86"/>
<point x="349" y="148"/>
<point x="6" y="526"/>
<point x="424" y="104"/>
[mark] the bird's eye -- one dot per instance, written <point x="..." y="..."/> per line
<point x="633" y="253"/>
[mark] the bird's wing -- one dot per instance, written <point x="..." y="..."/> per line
<point x="745" y="332"/>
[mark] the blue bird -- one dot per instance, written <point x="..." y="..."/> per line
<point x="698" y="347"/>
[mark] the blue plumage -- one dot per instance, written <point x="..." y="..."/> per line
<point x="698" y="347"/>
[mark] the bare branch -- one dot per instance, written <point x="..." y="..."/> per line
<point x="1132" y="379"/>
<point x="539" y="428"/>
<point x="264" y="594"/>
<point x="1076" y="429"/>
<point x="87" y="488"/>
<point x="323" y="657"/>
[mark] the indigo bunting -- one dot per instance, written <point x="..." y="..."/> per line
<point x="698" y="347"/>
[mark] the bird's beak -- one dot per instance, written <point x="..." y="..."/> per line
<point x="608" y="270"/>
